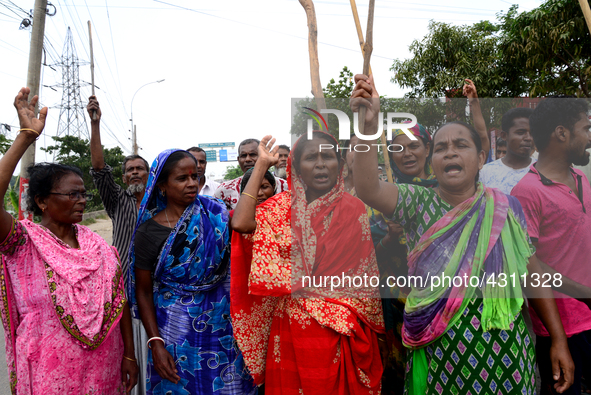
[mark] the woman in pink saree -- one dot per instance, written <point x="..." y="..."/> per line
<point x="66" y="321"/>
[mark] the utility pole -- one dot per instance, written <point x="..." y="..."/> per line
<point x="134" y="140"/>
<point x="33" y="82"/>
<point x="134" y="146"/>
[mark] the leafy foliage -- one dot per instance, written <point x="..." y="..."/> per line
<point x="541" y="52"/>
<point x="74" y="151"/>
<point x="5" y="144"/>
<point x="341" y="89"/>
<point x="232" y="172"/>
<point x="551" y="46"/>
<point x="11" y="201"/>
<point x="446" y="56"/>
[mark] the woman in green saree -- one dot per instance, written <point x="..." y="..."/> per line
<point x="467" y="334"/>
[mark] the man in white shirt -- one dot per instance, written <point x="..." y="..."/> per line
<point x="229" y="191"/>
<point x="506" y="172"/>
<point x="206" y="185"/>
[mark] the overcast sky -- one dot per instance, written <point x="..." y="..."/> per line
<point x="230" y="67"/>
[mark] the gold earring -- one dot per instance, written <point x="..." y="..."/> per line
<point x="43" y="209"/>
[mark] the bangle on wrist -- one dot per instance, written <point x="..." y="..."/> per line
<point x="30" y="130"/>
<point x="383" y="246"/>
<point x="130" y="359"/>
<point x="154" y="338"/>
<point x="249" y="195"/>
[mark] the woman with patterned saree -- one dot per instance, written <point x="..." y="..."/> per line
<point x="468" y="336"/>
<point x="298" y="337"/>
<point x="410" y="166"/>
<point x="66" y="322"/>
<point x="180" y="251"/>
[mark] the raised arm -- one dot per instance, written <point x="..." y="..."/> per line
<point x="477" y="118"/>
<point x="30" y="128"/>
<point x="97" y="158"/>
<point x="243" y="220"/>
<point x="380" y="195"/>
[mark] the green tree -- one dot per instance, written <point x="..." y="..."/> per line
<point x="5" y="144"/>
<point x="341" y="89"/>
<point x="11" y="197"/>
<point x="551" y="46"/>
<point x="74" y="151"/>
<point x="232" y="172"/>
<point x="446" y="56"/>
<point x="545" y="51"/>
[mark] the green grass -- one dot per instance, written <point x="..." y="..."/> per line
<point x="87" y="222"/>
<point x="90" y="221"/>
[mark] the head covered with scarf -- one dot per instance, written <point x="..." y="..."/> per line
<point x="195" y="257"/>
<point x="302" y="238"/>
<point x="421" y="132"/>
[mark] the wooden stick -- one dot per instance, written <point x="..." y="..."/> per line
<point x="586" y="12"/>
<point x="367" y="49"/>
<point x="362" y="44"/>
<point x="313" y="50"/>
<point x="91" y="65"/>
<point x="359" y="31"/>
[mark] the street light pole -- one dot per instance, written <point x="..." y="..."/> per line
<point x="133" y="129"/>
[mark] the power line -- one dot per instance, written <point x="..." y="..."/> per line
<point x="10" y="16"/>
<point x="17" y="48"/>
<point x="266" y="29"/>
<point x="431" y="6"/>
<point x="71" y="121"/>
<point x="11" y="9"/>
<point x="22" y="9"/>
<point x="115" y="55"/>
<point x="97" y="62"/>
<point x="118" y="82"/>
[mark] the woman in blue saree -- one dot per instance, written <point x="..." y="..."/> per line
<point x="181" y="284"/>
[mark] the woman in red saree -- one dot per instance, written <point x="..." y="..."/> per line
<point x="297" y="338"/>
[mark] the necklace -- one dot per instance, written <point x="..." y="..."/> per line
<point x="165" y="213"/>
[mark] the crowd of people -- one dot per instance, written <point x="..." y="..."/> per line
<point x="230" y="288"/>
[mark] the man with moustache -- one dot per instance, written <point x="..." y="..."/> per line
<point x="122" y="207"/>
<point x="556" y="200"/>
<point x="206" y="185"/>
<point x="229" y="191"/>
<point x="281" y="166"/>
<point x="506" y="172"/>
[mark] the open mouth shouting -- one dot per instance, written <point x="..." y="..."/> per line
<point x="409" y="164"/>
<point x="321" y="178"/>
<point x="452" y="169"/>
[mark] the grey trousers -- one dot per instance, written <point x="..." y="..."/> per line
<point x="140" y="337"/>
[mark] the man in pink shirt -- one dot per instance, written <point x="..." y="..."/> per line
<point x="556" y="200"/>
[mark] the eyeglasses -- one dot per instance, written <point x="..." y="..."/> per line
<point x="75" y="196"/>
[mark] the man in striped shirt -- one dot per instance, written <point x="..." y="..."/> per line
<point x="122" y="206"/>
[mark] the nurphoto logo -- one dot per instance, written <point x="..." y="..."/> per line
<point x="345" y="126"/>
